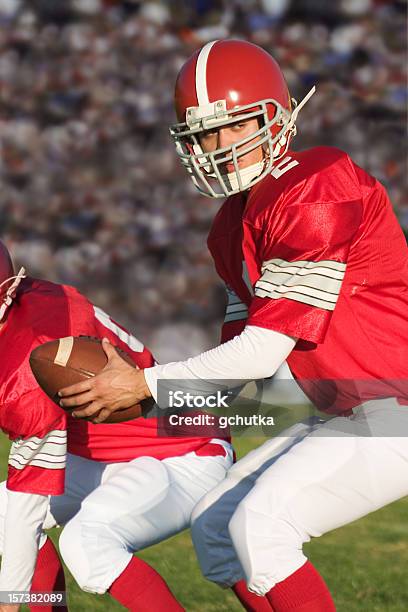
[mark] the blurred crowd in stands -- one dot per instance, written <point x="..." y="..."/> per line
<point x="92" y="192"/>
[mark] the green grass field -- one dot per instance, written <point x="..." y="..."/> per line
<point x="364" y="564"/>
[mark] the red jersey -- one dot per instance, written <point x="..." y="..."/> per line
<point x="44" y="311"/>
<point x="316" y="252"/>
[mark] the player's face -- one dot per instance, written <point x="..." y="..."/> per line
<point x="230" y="134"/>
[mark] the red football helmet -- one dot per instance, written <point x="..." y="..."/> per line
<point x="8" y="281"/>
<point x="225" y="82"/>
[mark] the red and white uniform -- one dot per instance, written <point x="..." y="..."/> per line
<point x="26" y="411"/>
<point x="314" y="252"/>
<point x="44" y="311"/>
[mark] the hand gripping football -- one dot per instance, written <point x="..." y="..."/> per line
<point x="60" y="363"/>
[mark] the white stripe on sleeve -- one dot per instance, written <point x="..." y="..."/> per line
<point x="48" y="452"/>
<point x="314" y="283"/>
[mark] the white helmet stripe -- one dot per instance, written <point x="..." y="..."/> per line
<point x="201" y="74"/>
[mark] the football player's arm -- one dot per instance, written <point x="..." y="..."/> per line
<point x="295" y="296"/>
<point x="255" y="353"/>
<point x="246" y="353"/>
<point x="23" y="523"/>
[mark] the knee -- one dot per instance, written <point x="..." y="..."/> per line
<point x="257" y="521"/>
<point x="69" y="546"/>
<point x="268" y="542"/>
<point x="92" y="553"/>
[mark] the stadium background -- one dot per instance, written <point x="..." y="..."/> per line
<point x="92" y="192"/>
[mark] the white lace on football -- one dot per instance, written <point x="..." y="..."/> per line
<point x="205" y="168"/>
<point x="11" y="291"/>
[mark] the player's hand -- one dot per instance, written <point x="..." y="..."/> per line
<point x="117" y="386"/>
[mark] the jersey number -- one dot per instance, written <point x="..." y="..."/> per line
<point x="284" y="166"/>
<point x="132" y="342"/>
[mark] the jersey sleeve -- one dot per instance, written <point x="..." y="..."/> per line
<point x="38" y="452"/>
<point x="303" y="268"/>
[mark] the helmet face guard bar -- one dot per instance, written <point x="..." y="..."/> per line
<point x="8" y="296"/>
<point x="207" y="169"/>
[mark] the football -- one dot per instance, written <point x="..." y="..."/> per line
<point x="60" y="363"/>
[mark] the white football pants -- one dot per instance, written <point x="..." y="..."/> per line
<point x="299" y="485"/>
<point x="112" y="510"/>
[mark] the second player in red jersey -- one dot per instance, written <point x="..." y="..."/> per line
<point x="121" y="465"/>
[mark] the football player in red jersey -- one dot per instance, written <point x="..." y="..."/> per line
<point x="126" y="486"/>
<point x="316" y="269"/>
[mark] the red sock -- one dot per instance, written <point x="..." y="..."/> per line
<point x="48" y="576"/>
<point x="250" y="601"/>
<point x="303" y="591"/>
<point x="140" y="588"/>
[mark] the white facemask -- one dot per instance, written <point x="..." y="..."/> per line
<point x="205" y="168"/>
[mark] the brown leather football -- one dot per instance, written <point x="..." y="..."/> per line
<point x="64" y="362"/>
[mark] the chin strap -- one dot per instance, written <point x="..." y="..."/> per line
<point x="11" y="291"/>
<point x="290" y="130"/>
<point x="246" y="175"/>
<point x="301" y="104"/>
